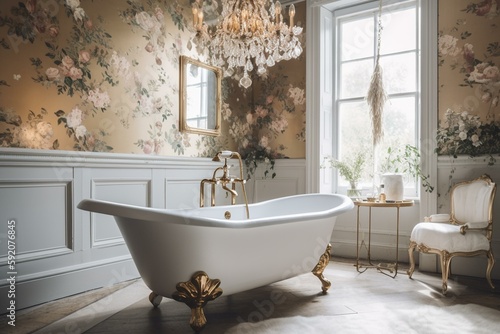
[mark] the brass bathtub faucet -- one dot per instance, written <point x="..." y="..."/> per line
<point x="225" y="180"/>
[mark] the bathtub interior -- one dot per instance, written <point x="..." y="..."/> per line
<point x="284" y="209"/>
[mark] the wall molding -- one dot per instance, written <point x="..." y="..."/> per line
<point x="98" y="254"/>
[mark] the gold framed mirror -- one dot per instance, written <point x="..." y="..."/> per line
<point x="200" y="97"/>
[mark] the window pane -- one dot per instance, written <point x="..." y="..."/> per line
<point x="399" y="73"/>
<point x="399" y="63"/>
<point x="399" y="122"/>
<point x="354" y="133"/>
<point x="399" y="30"/>
<point x="357" y="39"/>
<point x="355" y="78"/>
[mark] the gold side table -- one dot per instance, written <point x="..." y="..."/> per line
<point x="391" y="267"/>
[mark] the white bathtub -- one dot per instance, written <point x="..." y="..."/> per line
<point x="283" y="238"/>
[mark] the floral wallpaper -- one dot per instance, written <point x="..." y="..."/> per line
<point x="103" y="76"/>
<point x="469" y="77"/>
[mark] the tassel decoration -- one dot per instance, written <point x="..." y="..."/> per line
<point x="376" y="94"/>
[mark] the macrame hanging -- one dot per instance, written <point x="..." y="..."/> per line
<point x="376" y="94"/>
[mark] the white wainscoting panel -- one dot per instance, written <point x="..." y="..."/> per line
<point x="62" y="250"/>
<point x="105" y="232"/>
<point x="37" y="206"/>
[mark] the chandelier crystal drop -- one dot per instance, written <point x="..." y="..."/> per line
<point x="248" y="36"/>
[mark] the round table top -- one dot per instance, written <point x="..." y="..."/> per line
<point x="387" y="204"/>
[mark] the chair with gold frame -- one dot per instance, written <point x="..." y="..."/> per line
<point x="466" y="231"/>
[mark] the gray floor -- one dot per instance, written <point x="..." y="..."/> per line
<point x="125" y="308"/>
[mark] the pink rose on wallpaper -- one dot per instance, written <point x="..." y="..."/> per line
<point x="83" y="56"/>
<point x="53" y="30"/>
<point x="67" y="62"/>
<point x="159" y="14"/>
<point x="31" y="6"/>
<point x="486" y="97"/>
<point x="480" y="73"/>
<point x="487" y="8"/>
<point x="261" y="111"/>
<point x="469" y="56"/>
<point x="269" y="99"/>
<point x="492" y="73"/>
<point x="53" y="74"/>
<point x="88" y="24"/>
<point x="90" y="139"/>
<point x="157" y="146"/>
<point x="75" y="73"/>
<point x="149" y="47"/>
<point x="147" y="148"/>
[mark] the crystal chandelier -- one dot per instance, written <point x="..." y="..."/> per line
<point x="248" y="35"/>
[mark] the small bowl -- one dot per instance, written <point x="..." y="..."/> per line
<point x="370" y="199"/>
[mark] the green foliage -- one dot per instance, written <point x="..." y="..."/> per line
<point x="406" y="161"/>
<point x="351" y="169"/>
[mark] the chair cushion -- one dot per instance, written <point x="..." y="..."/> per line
<point x="445" y="236"/>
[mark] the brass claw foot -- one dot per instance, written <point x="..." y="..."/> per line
<point x="195" y="293"/>
<point x="320" y="267"/>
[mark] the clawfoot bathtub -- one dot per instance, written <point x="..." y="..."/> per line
<point x="194" y="255"/>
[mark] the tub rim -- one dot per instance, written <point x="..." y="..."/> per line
<point x="182" y="216"/>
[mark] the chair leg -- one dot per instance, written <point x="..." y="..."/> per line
<point x="445" y="269"/>
<point x="411" y="249"/>
<point x="491" y="262"/>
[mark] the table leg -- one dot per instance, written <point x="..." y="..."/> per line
<point x="369" y="234"/>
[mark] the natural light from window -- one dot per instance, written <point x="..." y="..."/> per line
<point x="356" y="44"/>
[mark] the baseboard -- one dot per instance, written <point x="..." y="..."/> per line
<point x="41" y="290"/>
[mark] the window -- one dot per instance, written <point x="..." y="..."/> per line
<point x="201" y="84"/>
<point x="355" y="56"/>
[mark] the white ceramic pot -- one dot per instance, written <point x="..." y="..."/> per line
<point x="394" y="187"/>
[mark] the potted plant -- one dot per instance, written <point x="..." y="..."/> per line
<point x="351" y="170"/>
<point x="406" y="162"/>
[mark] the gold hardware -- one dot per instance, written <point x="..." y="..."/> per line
<point x="225" y="180"/>
<point x="320" y="267"/>
<point x="227" y="215"/>
<point x="196" y="293"/>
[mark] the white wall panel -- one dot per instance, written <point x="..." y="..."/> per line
<point x="105" y="232"/>
<point x="42" y="214"/>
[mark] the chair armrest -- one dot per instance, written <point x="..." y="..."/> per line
<point x="473" y="226"/>
<point x="438" y="218"/>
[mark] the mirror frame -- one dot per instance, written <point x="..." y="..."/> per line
<point x="183" y="126"/>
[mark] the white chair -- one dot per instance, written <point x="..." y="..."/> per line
<point x="466" y="231"/>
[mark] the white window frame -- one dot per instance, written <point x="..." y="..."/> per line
<point x="370" y="10"/>
<point x="319" y="43"/>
